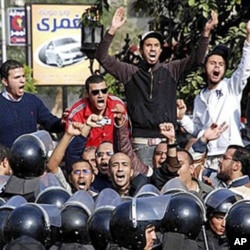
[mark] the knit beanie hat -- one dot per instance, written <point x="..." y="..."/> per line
<point x="220" y="50"/>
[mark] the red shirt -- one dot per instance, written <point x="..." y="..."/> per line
<point x="81" y="110"/>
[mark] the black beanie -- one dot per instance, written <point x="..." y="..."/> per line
<point x="220" y="50"/>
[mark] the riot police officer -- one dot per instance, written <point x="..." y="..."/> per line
<point x="134" y="224"/>
<point x="237" y="225"/>
<point x="28" y="161"/>
<point x="217" y="204"/>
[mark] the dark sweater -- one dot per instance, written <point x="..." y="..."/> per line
<point x="22" y="117"/>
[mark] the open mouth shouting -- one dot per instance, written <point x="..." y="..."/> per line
<point x="152" y="57"/>
<point x="101" y="103"/>
<point x="119" y="177"/>
<point x="81" y="185"/>
<point x="104" y="166"/>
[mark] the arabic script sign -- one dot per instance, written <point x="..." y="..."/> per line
<point x="56" y="42"/>
<point x="16" y="26"/>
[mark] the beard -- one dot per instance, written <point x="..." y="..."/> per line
<point x="223" y="176"/>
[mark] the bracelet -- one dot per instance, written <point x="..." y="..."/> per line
<point x="85" y="130"/>
<point x="123" y="123"/>
<point x="174" y="145"/>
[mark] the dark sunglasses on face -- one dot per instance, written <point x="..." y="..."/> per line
<point x="84" y="171"/>
<point x="97" y="91"/>
<point x="160" y="153"/>
<point x="101" y="154"/>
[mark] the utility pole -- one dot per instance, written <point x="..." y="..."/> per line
<point x="3" y="20"/>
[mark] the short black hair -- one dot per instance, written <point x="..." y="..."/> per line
<point x="242" y="155"/>
<point x="4" y="152"/>
<point x="92" y="80"/>
<point x="190" y="157"/>
<point x="7" y="66"/>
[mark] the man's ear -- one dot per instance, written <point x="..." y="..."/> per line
<point x="192" y="168"/>
<point x="6" y="162"/>
<point x="109" y="173"/>
<point x="70" y="179"/>
<point x="131" y="172"/>
<point x="237" y="166"/>
<point x="93" y="177"/>
<point x="5" y="82"/>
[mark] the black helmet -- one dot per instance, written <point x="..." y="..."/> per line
<point x="75" y="214"/>
<point x="53" y="195"/>
<point x="47" y="180"/>
<point x="130" y="219"/>
<point x="2" y="201"/>
<point x="185" y="215"/>
<point x="24" y="242"/>
<point x="237" y="222"/>
<point x="27" y="157"/>
<point x="220" y="200"/>
<point x="4" y="213"/>
<point x="98" y="224"/>
<point x="174" y="185"/>
<point x="5" y="210"/>
<point x="147" y="190"/>
<point x="28" y="219"/>
<point x="74" y="225"/>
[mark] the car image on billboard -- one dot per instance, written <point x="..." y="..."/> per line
<point x="63" y="51"/>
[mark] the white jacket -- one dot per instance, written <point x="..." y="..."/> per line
<point x="223" y="106"/>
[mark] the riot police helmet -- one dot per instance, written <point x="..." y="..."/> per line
<point x="130" y="219"/>
<point x="27" y="157"/>
<point x="238" y="221"/>
<point x="75" y="215"/>
<point x="98" y="224"/>
<point x="53" y="195"/>
<point x="27" y="219"/>
<point x="185" y="215"/>
<point x="220" y="200"/>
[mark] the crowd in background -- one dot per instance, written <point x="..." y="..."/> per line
<point x="120" y="176"/>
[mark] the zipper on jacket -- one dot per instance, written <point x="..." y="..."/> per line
<point x="151" y="83"/>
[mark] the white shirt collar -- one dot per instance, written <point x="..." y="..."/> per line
<point x="9" y="97"/>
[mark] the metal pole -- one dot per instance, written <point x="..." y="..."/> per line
<point x="65" y="97"/>
<point x="28" y="36"/>
<point x="4" y="55"/>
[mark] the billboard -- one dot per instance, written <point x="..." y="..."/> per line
<point x="54" y="42"/>
<point x="16" y="27"/>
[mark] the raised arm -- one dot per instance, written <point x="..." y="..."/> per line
<point x="123" y="141"/>
<point x="59" y="151"/>
<point x="120" y="70"/>
<point x="74" y="129"/>
<point x="210" y="24"/>
<point x="248" y="32"/>
<point x="211" y="133"/>
<point x="118" y="20"/>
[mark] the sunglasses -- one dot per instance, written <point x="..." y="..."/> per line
<point x="101" y="154"/>
<point x="97" y="91"/>
<point x="160" y="153"/>
<point x="79" y="171"/>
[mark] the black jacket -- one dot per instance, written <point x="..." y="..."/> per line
<point x="150" y="91"/>
<point x="214" y="241"/>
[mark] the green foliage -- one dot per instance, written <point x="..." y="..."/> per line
<point x="182" y="21"/>
<point x="114" y="86"/>
<point x="30" y="82"/>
